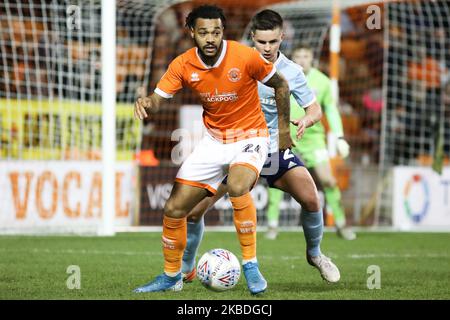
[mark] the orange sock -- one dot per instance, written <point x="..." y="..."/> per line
<point x="173" y="242"/>
<point x="245" y="223"/>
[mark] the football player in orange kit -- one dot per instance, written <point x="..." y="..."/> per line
<point x="224" y="74"/>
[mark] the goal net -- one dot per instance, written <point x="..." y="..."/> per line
<point x="416" y="89"/>
<point x="51" y="111"/>
<point x="305" y="22"/>
<point x="393" y="98"/>
<point x="379" y="39"/>
<point x="360" y="78"/>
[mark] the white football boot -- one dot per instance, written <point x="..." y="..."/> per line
<point x="327" y="269"/>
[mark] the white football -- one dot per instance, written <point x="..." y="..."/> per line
<point x="219" y="270"/>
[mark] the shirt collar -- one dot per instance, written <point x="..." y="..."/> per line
<point x="219" y="61"/>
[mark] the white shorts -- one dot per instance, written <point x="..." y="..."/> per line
<point x="208" y="164"/>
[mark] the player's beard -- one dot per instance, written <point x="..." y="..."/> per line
<point x="209" y="54"/>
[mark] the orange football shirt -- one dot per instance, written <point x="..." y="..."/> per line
<point x="228" y="90"/>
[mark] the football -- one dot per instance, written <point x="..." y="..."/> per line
<point x="219" y="270"/>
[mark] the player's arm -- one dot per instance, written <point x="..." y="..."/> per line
<point x="305" y="97"/>
<point x="335" y="122"/>
<point x="313" y="115"/>
<point x="170" y="83"/>
<point x="144" y="106"/>
<point x="331" y="111"/>
<point x="281" y="87"/>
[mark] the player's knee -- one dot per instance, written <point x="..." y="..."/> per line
<point x="195" y="215"/>
<point x="311" y="203"/>
<point x="173" y="211"/>
<point x="238" y="189"/>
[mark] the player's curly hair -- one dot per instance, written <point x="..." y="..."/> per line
<point x="267" y="20"/>
<point x="205" y="12"/>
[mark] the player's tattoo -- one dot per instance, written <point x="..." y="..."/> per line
<point x="282" y="94"/>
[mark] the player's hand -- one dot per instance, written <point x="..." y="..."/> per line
<point x="342" y="147"/>
<point x="141" y="107"/>
<point x="285" y="140"/>
<point x="301" y="127"/>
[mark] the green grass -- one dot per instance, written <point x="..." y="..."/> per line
<point x="413" y="266"/>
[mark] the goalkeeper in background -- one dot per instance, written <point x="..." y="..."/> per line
<point x="313" y="149"/>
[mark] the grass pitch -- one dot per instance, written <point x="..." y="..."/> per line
<point x="412" y="266"/>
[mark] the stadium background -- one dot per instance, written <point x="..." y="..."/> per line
<point x="394" y="102"/>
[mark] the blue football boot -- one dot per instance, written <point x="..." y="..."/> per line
<point x="162" y="283"/>
<point x="255" y="280"/>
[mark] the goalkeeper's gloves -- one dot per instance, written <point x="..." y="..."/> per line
<point x="343" y="148"/>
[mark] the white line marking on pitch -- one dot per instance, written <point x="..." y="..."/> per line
<point x="261" y="256"/>
<point x="394" y="255"/>
<point x="366" y="256"/>
<point x="83" y="251"/>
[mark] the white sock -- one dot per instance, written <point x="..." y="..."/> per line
<point x="172" y="274"/>
<point x="254" y="260"/>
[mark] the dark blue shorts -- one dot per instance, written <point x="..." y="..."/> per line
<point x="276" y="165"/>
<point x="279" y="163"/>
